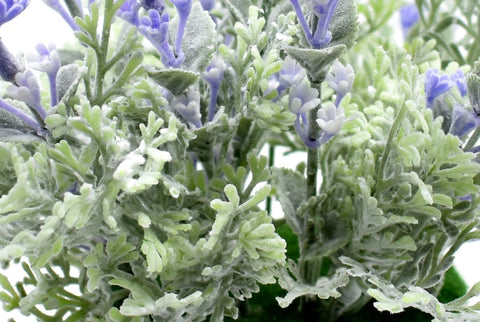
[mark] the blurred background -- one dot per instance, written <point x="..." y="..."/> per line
<point x="40" y="24"/>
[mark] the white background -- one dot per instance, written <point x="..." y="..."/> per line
<point x="38" y="23"/>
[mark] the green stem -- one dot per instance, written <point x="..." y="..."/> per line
<point x="473" y="139"/>
<point x="271" y="162"/>
<point x="388" y="146"/>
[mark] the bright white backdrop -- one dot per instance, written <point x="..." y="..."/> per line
<point x="40" y="24"/>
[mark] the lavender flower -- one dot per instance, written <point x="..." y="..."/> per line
<point x="158" y="5"/>
<point x="409" y="16"/>
<point x="323" y="10"/>
<point x="9" y="9"/>
<point x="435" y="85"/>
<point x="463" y="121"/>
<point x="8" y="64"/>
<point x="183" y="8"/>
<point x="290" y="74"/>
<point x="57" y="6"/>
<point x="458" y="78"/>
<point x="340" y="79"/>
<point x="330" y="119"/>
<point x="188" y="105"/>
<point x="28" y="91"/>
<point x="302" y="98"/>
<point x="46" y="59"/>
<point x="207" y="5"/>
<point x="129" y="12"/>
<point x="214" y="76"/>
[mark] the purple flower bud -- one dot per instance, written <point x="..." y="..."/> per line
<point x="458" y="78"/>
<point x="409" y="16"/>
<point x="323" y="10"/>
<point x="188" y="105"/>
<point x="9" y="9"/>
<point x="330" y="119"/>
<point x="28" y="91"/>
<point x="463" y="121"/>
<point x="435" y="85"/>
<point x="340" y="79"/>
<point x="158" y="5"/>
<point x="207" y="5"/>
<point x="8" y="64"/>
<point x="57" y="6"/>
<point x="46" y="59"/>
<point x="302" y="98"/>
<point x="214" y="76"/>
<point x="129" y="11"/>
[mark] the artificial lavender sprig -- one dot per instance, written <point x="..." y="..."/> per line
<point x="214" y="76"/>
<point x="9" y="9"/>
<point x="28" y="91"/>
<point x="340" y="79"/>
<point x="9" y="66"/>
<point x="323" y="10"/>
<point x="46" y="59"/>
<point x="57" y="6"/>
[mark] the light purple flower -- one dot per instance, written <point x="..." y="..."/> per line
<point x="158" y="5"/>
<point x="458" y="78"/>
<point x="188" y="106"/>
<point x="302" y="98"/>
<point x="58" y="7"/>
<point x="435" y="85"/>
<point x="9" y="9"/>
<point x="46" y="59"/>
<point x="214" y="76"/>
<point x="290" y="74"/>
<point x="183" y="9"/>
<point x="340" y="79"/>
<point x="409" y="16"/>
<point x="129" y="12"/>
<point x="28" y="91"/>
<point x="463" y="121"/>
<point x="323" y="10"/>
<point x="330" y="119"/>
<point x="207" y="5"/>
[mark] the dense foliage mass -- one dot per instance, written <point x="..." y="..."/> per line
<point x="134" y="187"/>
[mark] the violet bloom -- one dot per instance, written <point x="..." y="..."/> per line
<point x="46" y="60"/>
<point x="28" y="91"/>
<point x="214" y="76"/>
<point x="330" y="119"/>
<point x="207" y="5"/>
<point x="290" y="74"/>
<point x="129" y="12"/>
<point x="323" y="10"/>
<point x="340" y="79"/>
<point x="158" y="5"/>
<point x="458" y="78"/>
<point x="463" y="121"/>
<point x="188" y="106"/>
<point x="183" y="9"/>
<point x="409" y="16"/>
<point x="435" y="85"/>
<point x="8" y="64"/>
<point x="57" y="6"/>
<point x="9" y="9"/>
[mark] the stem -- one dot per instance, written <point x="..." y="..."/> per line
<point x="473" y="139"/>
<point x="271" y="161"/>
<point x="52" y="80"/>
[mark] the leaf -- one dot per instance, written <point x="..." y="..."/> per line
<point x="15" y="129"/>
<point x="175" y="80"/>
<point x="68" y="79"/>
<point x="316" y="61"/>
<point x="344" y="23"/>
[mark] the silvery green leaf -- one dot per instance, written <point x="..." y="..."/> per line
<point x="344" y="24"/>
<point x="13" y="128"/>
<point x="68" y="78"/>
<point x="316" y="61"/>
<point x="239" y="8"/>
<point x="199" y="39"/>
<point x="175" y="80"/>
